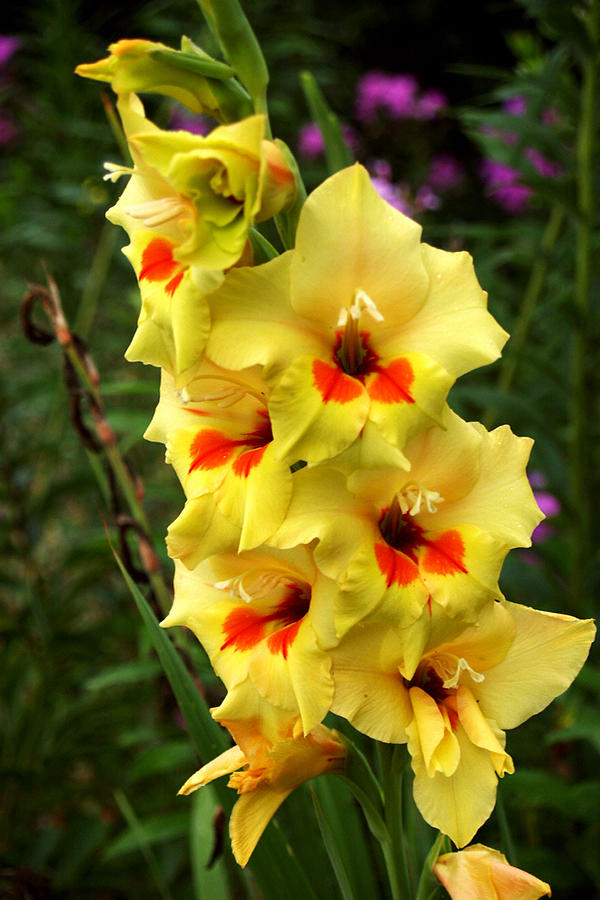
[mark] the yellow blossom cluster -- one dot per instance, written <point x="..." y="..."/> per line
<point x="344" y="530"/>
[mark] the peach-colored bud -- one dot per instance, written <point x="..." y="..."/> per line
<point x="278" y="186"/>
<point x="481" y="873"/>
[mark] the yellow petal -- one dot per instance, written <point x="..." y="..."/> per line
<point x="544" y="658"/>
<point x="224" y="764"/>
<point x="317" y="410"/>
<point x="457" y="805"/>
<point x="481" y="873"/>
<point x="349" y="238"/>
<point x="455" y="305"/>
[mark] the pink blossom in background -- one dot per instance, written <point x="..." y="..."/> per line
<point x="392" y="194"/>
<point x="395" y="94"/>
<point x="550" y="506"/>
<point x="445" y="172"/>
<point x="310" y="141"/>
<point x="503" y="186"/>
<point x="515" y="105"/>
<point x="8" y="129"/>
<point x="543" y="166"/>
<point x="311" y="144"/>
<point x="195" y="124"/>
<point x="381" y="168"/>
<point x="430" y="103"/>
<point x="8" y="47"/>
<point x="426" y="198"/>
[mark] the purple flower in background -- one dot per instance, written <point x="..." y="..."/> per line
<point x="543" y="166"/>
<point x="311" y="144"/>
<point x="550" y="506"/>
<point x="426" y="198"/>
<point x="515" y="105"/>
<point x="310" y="141"/>
<point x="392" y="194"/>
<point x="382" y="169"/>
<point x="8" y="47"/>
<point x="395" y="94"/>
<point x="430" y="103"/>
<point x="8" y="129"/>
<point x="445" y="172"/>
<point x="182" y="121"/>
<point x="503" y="186"/>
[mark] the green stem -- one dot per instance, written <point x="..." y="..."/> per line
<point x="522" y="327"/>
<point x="392" y="760"/>
<point x="578" y="469"/>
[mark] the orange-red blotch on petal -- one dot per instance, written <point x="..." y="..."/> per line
<point x="333" y="384"/>
<point x="445" y="555"/>
<point x="392" y="383"/>
<point x="173" y="284"/>
<point x="245" y="462"/>
<point x="280" y="641"/>
<point x="243" y="629"/>
<point x="394" y="566"/>
<point x="211" y="448"/>
<point x="158" y="263"/>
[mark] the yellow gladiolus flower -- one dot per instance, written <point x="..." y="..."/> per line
<point x="453" y="706"/>
<point x="360" y="323"/>
<point x="187" y="208"/>
<point x="481" y="873"/>
<point x="267" y="762"/>
<point x="217" y="432"/>
<point x="265" y="617"/>
<point x="404" y="541"/>
<point x="201" y="193"/>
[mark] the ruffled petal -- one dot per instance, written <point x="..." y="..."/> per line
<point x="544" y="658"/>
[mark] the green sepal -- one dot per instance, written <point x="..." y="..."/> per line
<point x="231" y="28"/>
<point x="263" y="250"/>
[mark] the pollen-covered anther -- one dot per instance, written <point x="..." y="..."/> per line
<point x="414" y="496"/>
<point x="462" y="666"/>
<point x="158" y="212"/>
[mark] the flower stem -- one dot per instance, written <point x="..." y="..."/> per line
<point x="578" y="468"/>
<point x="393" y="761"/>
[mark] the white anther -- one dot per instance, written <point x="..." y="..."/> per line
<point x="361" y="303"/>
<point x="463" y="666"/>
<point x="414" y="496"/>
<point x="114" y="171"/>
<point x="262" y="585"/>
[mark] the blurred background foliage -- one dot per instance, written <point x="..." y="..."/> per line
<point x="93" y="748"/>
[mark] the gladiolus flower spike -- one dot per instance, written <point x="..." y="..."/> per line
<point x="343" y="532"/>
